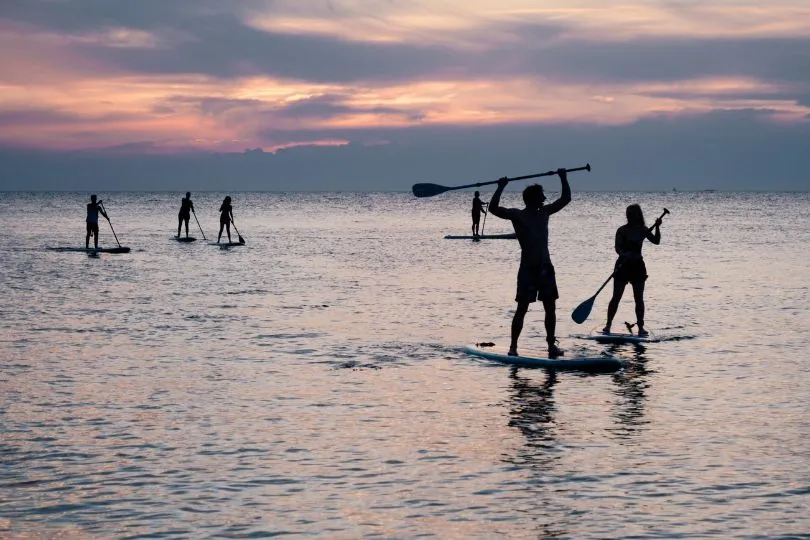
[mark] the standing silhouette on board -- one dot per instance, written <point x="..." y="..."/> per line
<point x="186" y="208"/>
<point x="536" y="279"/>
<point x="225" y="218"/>
<point x="477" y="209"/>
<point x="630" y="267"/>
<point x="93" y="210"/>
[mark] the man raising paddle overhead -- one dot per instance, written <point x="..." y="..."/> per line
<point x="535" y="279"/>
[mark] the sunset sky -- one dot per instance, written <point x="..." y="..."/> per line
<point x="324" y="84"/>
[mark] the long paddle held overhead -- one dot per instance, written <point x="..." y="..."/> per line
<point x="584" y="309"/>
<point x="429" y="190"/>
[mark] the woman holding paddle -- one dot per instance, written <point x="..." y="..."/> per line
<point x="630" y="267"/>
<point x="225" y="218"/>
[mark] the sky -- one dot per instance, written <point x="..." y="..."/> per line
<point x="282" y="95"/>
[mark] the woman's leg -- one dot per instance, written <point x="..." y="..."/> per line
<point x="638" y="296"/>
<point x="613" y="305"/>
<point x="221" y="226"/>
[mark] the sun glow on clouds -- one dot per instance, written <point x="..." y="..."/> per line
<point x="425" y="21"/>
<point x="129" y="110"/>
<point x="80" y="100"/>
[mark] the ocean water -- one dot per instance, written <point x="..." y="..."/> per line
<point x="311" y="383"/>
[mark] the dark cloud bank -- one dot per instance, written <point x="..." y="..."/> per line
<point x="740" y="150"/>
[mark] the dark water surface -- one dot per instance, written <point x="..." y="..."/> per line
<point x="310" y="383"/>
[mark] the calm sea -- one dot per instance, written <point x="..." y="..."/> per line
<point x="311" y="383"/>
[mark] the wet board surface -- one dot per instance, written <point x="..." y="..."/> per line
<point x="122" y="249"/>
<point x="504" y="236"/>
<point x="531" y="358"/>
<point x="618" y="338"/>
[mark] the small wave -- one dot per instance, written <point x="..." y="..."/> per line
<point x="307" y="335"/>
<point x="674" y="338"/>
<point x="355" y="365"/>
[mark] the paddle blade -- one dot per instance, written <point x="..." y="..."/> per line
<point x="583" y="310"/>
<point x="428" y="190"/>
<point x="241" y="240"/>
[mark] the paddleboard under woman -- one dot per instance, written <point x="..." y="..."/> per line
<point x="630" y="267"/>
<point x="186" y="208"/>
<point x="225" y="218"/>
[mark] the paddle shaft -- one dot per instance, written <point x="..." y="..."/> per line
<point x="110" y="222"/>
<point x="198" y="225"/>
<point x="241" y="240"/>
<point x="429" y="190"/>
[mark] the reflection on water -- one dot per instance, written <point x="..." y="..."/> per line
<point x="531" y="410"/>
<point x="532" y="405"/>
<point x="631" y="388"/>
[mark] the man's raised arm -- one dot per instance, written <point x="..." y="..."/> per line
<point x="495" y="207"/>
<point x="565" y="198"/>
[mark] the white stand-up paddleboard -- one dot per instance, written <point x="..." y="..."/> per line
<point x="122" y="249"/>
<point x="504" y="236"/>
<point x="537" y="359"/>
<point x="618" y="338"/>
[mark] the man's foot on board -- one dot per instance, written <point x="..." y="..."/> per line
<point x="642" y="332"/>
<point x="606" y="329"/>
<point x="554" y="351"/>
<point x="512" y="352"/>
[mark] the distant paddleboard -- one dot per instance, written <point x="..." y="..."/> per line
<point x="122" y="249"/>
<point x="504" y="236"/>
<point x="497" y="353"/>
<point x="619" y="338"/>
<point x="185" y="239"/>
<point x="225" y="244"/>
